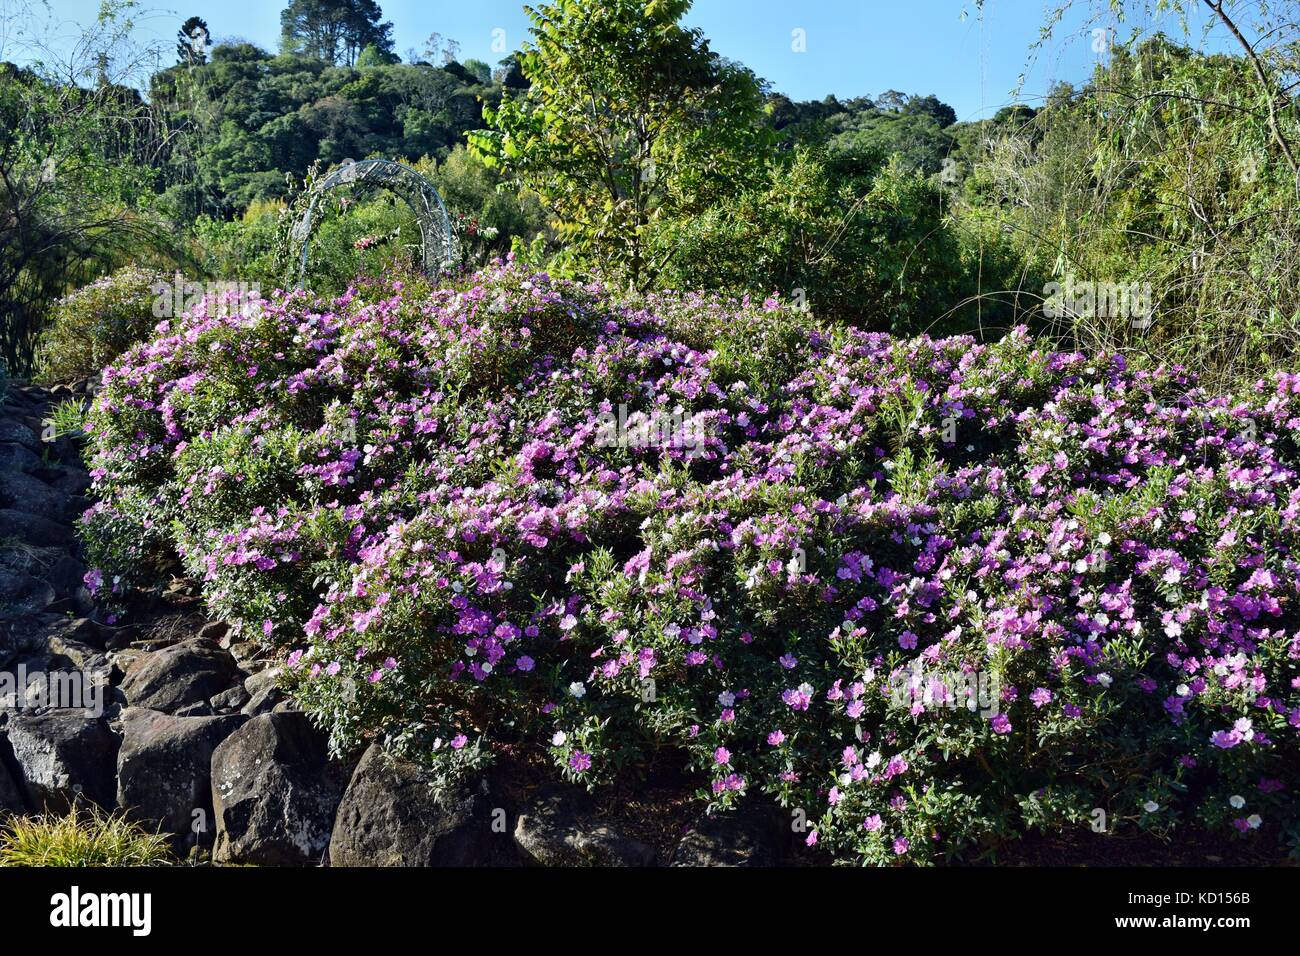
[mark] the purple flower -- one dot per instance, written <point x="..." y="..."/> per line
<point x="580" y="761"/>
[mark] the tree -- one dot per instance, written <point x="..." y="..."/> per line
<point x="335" y="31"/>
<point x="373" y="56"/>
<point x="192" y="42"/>
<point x="479" y="70"/>
<point x="630" y="121"/>
<point x="75" y="198"/>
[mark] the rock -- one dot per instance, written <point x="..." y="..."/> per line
<point x="200" y="709"/>
<point x="18" y="433"/>
<point x="83" y="656"/>
<point x="22" y="492"/>
<point x="22" y="594"/>
<point x="33" y="529"/>
<point x="15" y="457"/>
<point x="244" y="652"/>
<point x="256" y="683"/>
<point x="229" y="700"/>
<point x="164" y="769"/>
<point x="64" y="755"/>
<point x="742" y="838"/>
<point x="11" y="796"/>
<point x="65" y="575"/>
<point x="72" y="481"/>
<point x="557" y="831"/>
<point x="389" y="816"/>
<point x="184" y="673"/>
<point x="262" y="691"/>
<point x="275" y="792"/>
<point x="265" y="701"/>
<point x="215" y="631"/>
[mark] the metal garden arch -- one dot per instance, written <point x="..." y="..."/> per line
<point x="437" y="240"/>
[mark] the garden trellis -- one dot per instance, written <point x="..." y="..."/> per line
<point x="437" y="240"/>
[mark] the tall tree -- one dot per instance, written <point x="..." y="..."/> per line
<point x="335" y="31"/>
<point x="192" y="41"/>
<point x="630" y="120"/>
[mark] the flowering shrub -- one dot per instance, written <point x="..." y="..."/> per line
<point x="927" y="594"/>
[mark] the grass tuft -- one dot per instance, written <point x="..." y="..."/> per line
<point x="86" y="838"/>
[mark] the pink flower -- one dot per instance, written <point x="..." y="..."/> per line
<point x="460" y="740"/>
<point x="901" y="845"/>
<point x="1001" y="724"/>
<point x="873" y="823"/>
<point x="722" y="756"/>
<point x="580" y="761"/>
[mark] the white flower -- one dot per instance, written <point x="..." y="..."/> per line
<point x="1182" y="690"/>
<point x="1244" y="727"/>
<point x="1237" y="801"/>
<point x="868" y="675"/>
<point x="1103" y="539"/>
<point x="726" y="698"/>
<point x="1080" y="566"/>
<point x="873" y="761"/>
<point x="1150" y="806"/>
<point x="1104" y="680"/>
<point x="1254" y="820"/>
<point x="559" y="738"/>
<point x="577" y="689"/>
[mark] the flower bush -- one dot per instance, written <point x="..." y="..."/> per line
<point x="928" y="595"/>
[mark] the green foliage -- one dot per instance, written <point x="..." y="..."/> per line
<point x="853" y="241"/>
<point x="1161" y="174"/>
<point x="335" y="31"/>
<point x="630" y="121"/>
<point x="74" y="190"/>
<point x="97" y="323"/>
<point x="88" y="837"/>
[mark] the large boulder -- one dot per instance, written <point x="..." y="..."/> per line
<point x="164" y="769"/>
<point x="559" y="829"/>
<point x="275" y="792"/>
<point x="63" y="756"/>
<point x="184" y="673"/>
<point x="390" y="816"/>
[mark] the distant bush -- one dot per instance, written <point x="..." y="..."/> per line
<point x="928" y="594"/>
<point x="96" y="324"/>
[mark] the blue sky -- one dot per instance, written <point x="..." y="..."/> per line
<point x="853" y="47"/>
